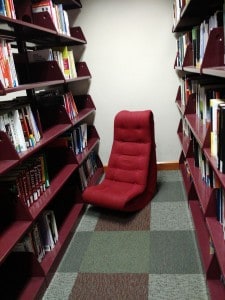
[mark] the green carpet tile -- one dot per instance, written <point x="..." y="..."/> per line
<point x="151" y="254"/>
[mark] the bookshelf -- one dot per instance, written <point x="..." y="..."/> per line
<point x="24" y="274"/>
<point x="203" y="181"/>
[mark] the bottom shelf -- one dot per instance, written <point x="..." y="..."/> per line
<point x="210" y="263"/>
<point x="202" y="233"/>
<point x="21" y="277"/>
<point x="216" y="289"/>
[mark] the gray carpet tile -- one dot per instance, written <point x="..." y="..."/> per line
<point x="117" y="252"/>
<point x="60" y="286"/>
<point x="73" y="257"/>
<point x="173" y="252"/>
<point x="169" y="176"/>
<point x="169" y="191"/>
<point x="89" y="219"/>
<point x="177" y="287"/>
<point x="170" y="216"/>
<point x="110" y="287"/>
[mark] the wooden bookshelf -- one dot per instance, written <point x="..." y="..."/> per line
<point x="24" y="275"/>
<point x="201" y="191"/>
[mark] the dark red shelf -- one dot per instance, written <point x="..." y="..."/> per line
<point x="201" y="131"/>
<point x="65" y="234"/>
<point x="22" y="275"/>
<point x="203" y="235"/>
<point x="204" y="192"/>
<point x="55" y="185"/>
<point x="186" y="178"/>
<point x="216" y="289"/>
<point x="11" y="236"/>
<point x="201" y="198"/>
<point x="216" y="232"/>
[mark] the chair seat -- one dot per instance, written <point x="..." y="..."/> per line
<point x="116" y="194"/>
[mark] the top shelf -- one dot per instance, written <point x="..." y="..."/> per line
<point x="195" y="12"/>
<point x="15" y="29"/>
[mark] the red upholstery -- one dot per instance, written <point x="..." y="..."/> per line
<point x="130" y="179"/>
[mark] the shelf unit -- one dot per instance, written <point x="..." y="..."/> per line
<point x="201" y="197"/>
<point x="22" y="275"/>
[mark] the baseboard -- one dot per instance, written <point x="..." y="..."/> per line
<point x="168" y="165"/>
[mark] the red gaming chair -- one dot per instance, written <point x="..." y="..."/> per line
<point x="130" y="180"/>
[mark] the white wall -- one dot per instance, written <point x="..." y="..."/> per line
<point x="130" y="52"/>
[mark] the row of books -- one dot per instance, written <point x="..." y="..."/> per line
<point x="8" y="75"/>
<point x="28" y="181"/>
<point x="211" y="180"/>
<point x="21" y="127"/>
<point x="63" y="55"/>
<point x="203" y="89"/>
<point x="53" y="98"/>
<point x="198" y="38"/>
<point x="42" y="237"/>
<point x="75" y="139"/>
<point x="58" y="15"/>
<point x="7" y="8"/>
<point x="178" y="6"/>
<point x="87" y="170"/>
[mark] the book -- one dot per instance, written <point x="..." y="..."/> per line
<point x="66" y="64"/>
<point x="2" y="8"/>
<point x="221" y="134"/>
<point x="25" y="245"/>
<point x="62" y="56"/>
<point x="40" y="55"/>
<point x="42" y="6"/>
<point x="17" y="127"/>
<point x="45" y="231"/>
<point x="66" y="23"/>
<point x="37" y="242"/>
<point x="61" y="18"/>
<point x="72" y="66"/>
<point x="5" y="66"/>
<point x="84" y="129"/>
<point x="44" y="171"/>
<point x="8" y="9"/>
<point x="32" y="123"/>
<point x="11" y="130"/>
<point x="12" y="9"/>
<point x="214" y="125"/>
<point x="15" y="81"/>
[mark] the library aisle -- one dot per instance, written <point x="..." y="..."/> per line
<point x="148" y="255"/>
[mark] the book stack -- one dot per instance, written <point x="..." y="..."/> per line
<point x="28" y="181"/>
<point x="58" y="15"/>
<point x="75" y="139"/>
<point x="214" y="134"/>
<point x="63" y="55"/>
<point x="198" y="38"/>
<point x="21" y="127"/>
<point x="80" y="138"/>
<point x="8" y="75"/>
<point x="221" y="141"/>
<point x="53" y="98"/>
<point x="42" y="237"/>
<point x="87" y="170"/>
<point x="7" y="8"/>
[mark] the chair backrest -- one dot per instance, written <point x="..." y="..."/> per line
<point x="132" y="143"/>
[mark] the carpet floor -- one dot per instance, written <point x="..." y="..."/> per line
<point x="151" y="254"/>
